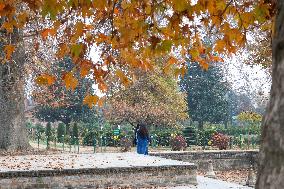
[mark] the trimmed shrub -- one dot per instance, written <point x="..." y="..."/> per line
<point x="178" y="143"/>
<point x="220" y="140"/>
<point x="48" y="134"/>
<point x="75" y="133"/>
<point x="60" y="132"/>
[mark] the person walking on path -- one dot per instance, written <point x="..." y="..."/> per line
<point x="142" y="138"/>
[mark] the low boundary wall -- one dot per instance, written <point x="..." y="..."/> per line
<point x="222" y="160"/>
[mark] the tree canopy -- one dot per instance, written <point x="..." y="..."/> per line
<point x="206" y="92"/>
<point x="153" y="99"/>
<point x="55" y="103"/>
<point x="129" y="34"/>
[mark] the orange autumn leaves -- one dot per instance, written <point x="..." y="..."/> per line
<point x="132" y="35"/>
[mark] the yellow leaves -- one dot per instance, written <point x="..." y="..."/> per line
<point x="220" y="5"/>
<point x="261" y="12"/>
<point x="9" y="49"/>
<point x="62" y="50"/>
<point x="180" y="5"/>
<point x="148" y="9"/>
<point x="204" y="65"/>
<point x="246" y="19"/>
<point x="101" y="101"/>
<point x="8" y="26"/>
<point x="249" y="117"/>
<point x="45" y="79"/>
<point x="76" y="49"/>
<point x="47" y="32"/>
<point x="180" y="71"/>
<point x="22" y="19"/>
<point x="123" y="78"/>
<point x="90" y="100"/>
<point x="2" y="6"/>
<point x="102" y="85"/>
<point x="171" y="61"/>
<point x="102" y="38"/>
<point x="194" y="53"/>
<point x="216" y="59"/>
<point x="220" y="46"/>
<point x="166" y="46"/>
<point x="70" y="81"/>
<point x="85" y="67"/>
<point x="125" y="4"/>
<point x="99" y="4"/>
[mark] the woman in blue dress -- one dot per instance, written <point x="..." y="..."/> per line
<point x="142" y="139"/>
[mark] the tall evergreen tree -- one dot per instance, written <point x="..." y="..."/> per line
<point x="75" y="133"/>
<point x="48" y="134"/>
<point x="61" y="131"/>
<point x="205" y="94"/>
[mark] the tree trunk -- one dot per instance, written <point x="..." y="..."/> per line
<point x="271" y="168"/>
<point x="13" y="134"/>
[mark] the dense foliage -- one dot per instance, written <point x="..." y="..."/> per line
<point x="153" y="99"/>
<point x="206" y="92"/>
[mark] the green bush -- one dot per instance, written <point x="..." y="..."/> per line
<point x="89" y="137"/>
<point x="75" y="133"/>
<point x="204" y="136"/>
<point x="190" y="134"/>
<point x="163" y="136"/>
<point x="48" y="133"/>
<point x="40" y="130"/>
<point x="60" y="132"/>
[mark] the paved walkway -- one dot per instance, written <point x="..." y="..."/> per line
<point x="102" y="160"/>
<point x="208" y="183"/>
<point x="81" y="161"/>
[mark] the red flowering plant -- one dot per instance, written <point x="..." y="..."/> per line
<point x="220" y="140"/>
<point x="178" y="143"/>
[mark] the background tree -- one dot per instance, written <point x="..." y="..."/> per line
<point x="61" y="132"/>
<point x="75" y="133"/>
<point x="48" y="134"/>
<point x="56" y="103"/>
<point x="13" y="134"/>
<point x="153" y="99"/>
<point x="205" y="94"/>
<point x="124" y="43"/>
<point x="270" y="171"/>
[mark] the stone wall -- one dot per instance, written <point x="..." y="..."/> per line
<point x="222" y="160"/>
<point x="100" y="178"/>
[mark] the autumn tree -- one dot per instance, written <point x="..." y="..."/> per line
<point x="270" y="172"/>
<point x="124" y="43"/>
<point x="153" y="99"/>
<point x="13" y="133"/>
<point x="55" y="103"/>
